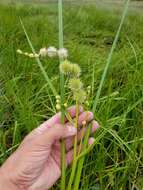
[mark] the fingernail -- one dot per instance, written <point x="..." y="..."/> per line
<point x="72" y="129"/>
<point x="95" y="126"/>
<point x="91" y="141"/>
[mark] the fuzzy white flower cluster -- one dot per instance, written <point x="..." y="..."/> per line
<point x="53" y="52"/>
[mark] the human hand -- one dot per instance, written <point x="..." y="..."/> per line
<point x="36" y="164"/>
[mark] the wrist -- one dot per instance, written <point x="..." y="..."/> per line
<point x="5" y="182"/>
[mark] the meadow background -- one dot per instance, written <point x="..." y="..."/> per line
<point x="116" y="162"/>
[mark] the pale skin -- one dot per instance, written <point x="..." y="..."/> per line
<point x="36" y="164"/>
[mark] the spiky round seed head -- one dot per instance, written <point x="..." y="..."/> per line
<point x="75" y="84"/>
<point x="43" y="52"/>
<point x="65" y="105"/>
<point x="19" y="51"/>
<point x="84" y="122"/>
<point x="52" y="51"/>
<point x="63" y="53"/>
<point x="65" y="67"/>
<point x="80" y="95"/>
<point x="75" y="70"/>
<point x="58" y="97"/>
<point x="58" y="107"/>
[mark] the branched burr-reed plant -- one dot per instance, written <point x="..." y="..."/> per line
<point x="71" y="72"/>
<point x="70" y="81"/>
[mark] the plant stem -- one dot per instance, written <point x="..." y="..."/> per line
<point x="76" y="126"/>
<point x="62" y="90"/>
<point x="75" y="150"/>
<point x="80" y="164"/>
<point x="82" y="136"/>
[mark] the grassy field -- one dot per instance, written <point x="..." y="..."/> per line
<point x="116" y="162"/>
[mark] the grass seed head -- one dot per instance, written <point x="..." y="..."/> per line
<point x="75" y="84"/>
<point x="75" y="70"/>
<point x="66" y="67"/>
<point x="80" y="95"/>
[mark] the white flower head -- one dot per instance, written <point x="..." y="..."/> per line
<point x="52" y="51"/>
<point x="43" y="52"/>
<point x="63" y="53"/>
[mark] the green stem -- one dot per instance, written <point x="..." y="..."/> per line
<point x="80" y="164"/>
<point x="76" y="126"/>
<point x="75" y="150"/>
<point x="63" y="161"/>
<point x="80" y="144"/>
<point x="61" y="44"/>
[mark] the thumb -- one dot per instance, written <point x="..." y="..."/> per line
<point x="55" y="133"/>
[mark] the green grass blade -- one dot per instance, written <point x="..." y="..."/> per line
<point x="81" y="161"/>
<point x="9" y="150"/>
<point x="61" y="35"/>
<point x="110" y="56"/>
